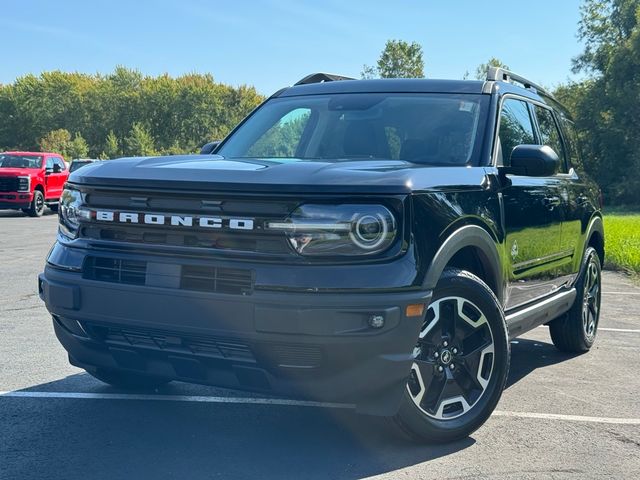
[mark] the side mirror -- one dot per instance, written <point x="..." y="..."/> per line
<point x="56" y="168"/>
<point x="208" y="148"/>
<point x="533" y="161"/>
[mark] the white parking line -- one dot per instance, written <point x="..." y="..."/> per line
<point x="606" y="329"/>
<point x="290" y="403"/>
<point x="571" y="418"/>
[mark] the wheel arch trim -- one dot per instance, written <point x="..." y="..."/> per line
<point x="467" y="236"/>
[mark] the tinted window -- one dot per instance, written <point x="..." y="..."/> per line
<point x="550" y="135"/>
<point x="516" y="127"/>
<point x="49" y="163"/>
<point x="419" y="128"/>
<point x="60" y="163"/>
<point x="572" y="146"/>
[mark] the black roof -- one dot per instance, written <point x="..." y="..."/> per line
<point x="386" y="85"/>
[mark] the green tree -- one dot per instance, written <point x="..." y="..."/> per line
<point x="111" y="147"/>
<point x="56" y="141"/>
<point x="399" y="59"/>
<point x="139" y="142"/>
<point x="605" y="106"/>
<point x="481" y="70"/>
<point x="78" y="147"/>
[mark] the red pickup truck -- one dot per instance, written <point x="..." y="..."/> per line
<point x="31" y="180"/>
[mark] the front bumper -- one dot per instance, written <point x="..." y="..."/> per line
<point x="15" y="200"/>
<point x="308" y="345"/>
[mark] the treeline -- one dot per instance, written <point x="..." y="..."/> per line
<point x="123" y="113"/>
<point x="606" y="106"/>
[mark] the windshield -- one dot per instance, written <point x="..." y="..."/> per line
<point x="20" y="161"/>
<point x="420" y="128"/>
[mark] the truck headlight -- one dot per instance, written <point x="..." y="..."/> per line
<point x="349" y="229"/>
<point x="24" y="184"/>
<point x="71" y="211"/>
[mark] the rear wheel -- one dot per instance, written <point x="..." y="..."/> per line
<point x="461" y="361"/>
<point x="128" y="380"/>
<point x="576" y="330"/>
<point x="36" y="209"/>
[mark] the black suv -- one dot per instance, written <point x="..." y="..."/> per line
<point x="372" y="242"/>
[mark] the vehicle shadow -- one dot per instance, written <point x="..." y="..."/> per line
<point x="19" y="213"/>
<point x="105" y="438"/>
<point x="529" y="355"/>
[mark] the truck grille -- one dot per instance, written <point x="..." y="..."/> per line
<point x="232" y="281"/>
<point x="8" y="184"/>
<point x="288" y="356"/>
<point x="256" y="240"/>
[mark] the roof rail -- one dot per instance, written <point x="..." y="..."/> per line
<point x="321" y="77"/>
<point x="495" y="74"/>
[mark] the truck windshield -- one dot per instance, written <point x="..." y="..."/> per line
<point x="421" y="128"/>
<point x="20" y="161"/>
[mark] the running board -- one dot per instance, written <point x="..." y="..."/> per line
<point x="530" y="317"/>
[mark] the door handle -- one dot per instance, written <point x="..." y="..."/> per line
<point x="551" y="202"/>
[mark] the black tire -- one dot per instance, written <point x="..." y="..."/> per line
<point x="434" y="417"/>
<point x="53" y="207"/>
<point x="128" y="380"/>
<point x="576" y="330"/>
<point x="36" y="209"/>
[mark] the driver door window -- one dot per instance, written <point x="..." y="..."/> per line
<point x="516" y="127"/>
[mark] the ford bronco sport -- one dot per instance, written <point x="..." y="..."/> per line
<point x="31" y="180"/>
<point x="372" y="242"/>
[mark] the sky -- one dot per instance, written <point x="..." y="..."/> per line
<point x="273" y="43"/>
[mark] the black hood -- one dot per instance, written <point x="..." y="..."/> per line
<point x="216" y="173"/>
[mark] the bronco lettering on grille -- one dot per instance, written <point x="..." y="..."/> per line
<point x="174" y="220"/>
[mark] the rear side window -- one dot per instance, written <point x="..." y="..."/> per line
<point x="550" y="135"/>
<point x="516" y="127"/>
<point x="571" y="139"/>
<point x="49" y="165"/>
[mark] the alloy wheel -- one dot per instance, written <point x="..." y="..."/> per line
<point x="591" y="299"/>
<point x="453" y="359"/>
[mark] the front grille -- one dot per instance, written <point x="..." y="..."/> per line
<point x="115" y="270"/>
<point x="214" y="279"/>
<point x="9" y="184"/>
<point x="172" y="342"/>
<point x="257" y="240"/>
<point x="272" y="354"/>
<point x="232" y="281"/>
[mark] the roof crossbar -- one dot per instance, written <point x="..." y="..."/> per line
<point x="495" y="74"/>
<point x="321" y="77"/>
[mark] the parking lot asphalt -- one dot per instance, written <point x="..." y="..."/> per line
<point x="561" y="416"/>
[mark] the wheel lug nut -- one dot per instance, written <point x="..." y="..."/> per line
<point x="445" y="343"/>
<point x="436" y="355"/>
<point x="440" y="368"/>
<point x="452" y="366"/>
<point x="455" y="350"/>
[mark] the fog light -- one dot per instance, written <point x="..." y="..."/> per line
<point x="376" y="321"/>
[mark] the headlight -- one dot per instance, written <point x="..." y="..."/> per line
<point x="24" y="184"/>
<point x="71" y="211"/>
<point x="349" y="229"/>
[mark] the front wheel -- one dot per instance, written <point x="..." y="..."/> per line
<point x="461" y="362"/>
<point x="36" y="209"/>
